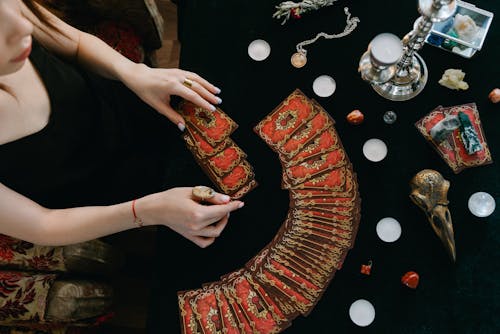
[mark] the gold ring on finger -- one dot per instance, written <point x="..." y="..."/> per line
<point x="188" y="82"/>
<point x="203" y="192"/>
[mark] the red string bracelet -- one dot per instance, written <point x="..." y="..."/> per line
<point x="137" y="220"/>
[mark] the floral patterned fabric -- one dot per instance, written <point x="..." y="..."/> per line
<point x="24" y="255"/>
<point x="23" y="296"/>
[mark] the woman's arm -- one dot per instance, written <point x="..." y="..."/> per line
<point x="175" y="208"/>
<point x="154" y="86"/>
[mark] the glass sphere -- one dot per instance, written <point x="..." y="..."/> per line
<point x="481" y="204"/>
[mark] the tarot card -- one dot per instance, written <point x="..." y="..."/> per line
<point x="332" y="257"/>
<point x="465" y="160"/>
<point x="189" y="322"/>
<point x="445" y="147"/>
<point x="337" y="209"/>
<point x="313" y="167"/>
<point x="213" y="126"/>
<point x="345" y="222"/>
<point x="307" y="270"/>
<point x="204" y="306"/>
<point x="318" y="250"/>
<point x="244" y="189"/>
<point x="240" y="316"/>
<point x="295" y="279"/>
<point x="324" y="142"/>
<point x="322" y="227"/>
<point x="299" y="302"/>
<point x="298" y="284"/>
<point x="277" y="127"/>
<point x="228" y="317"/>
<point x="225" y="161"/>
<point x="326" y="258"/>
<point x="326" y="200"/>
<point x="200" y="148"/>
<point x="252" y="305"/>
<point x="345" y="189"/>
<point x="282" y="320"/>
<point x="233" y="181"/>
<point x="323" y="268"/>
<point x="295" y="261"/>
<point x="333" y="180"/>
<point x="305" y="134"/>
<point x="320" y="235"/>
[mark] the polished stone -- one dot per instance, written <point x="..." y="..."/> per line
<point x="375" y="150"/>
<point x="259" y="50"/>
<point x="388" y="229"/>
<point x="481" y="204"/>
<point x="324" y="86"/>
<point x="362" y="312"/>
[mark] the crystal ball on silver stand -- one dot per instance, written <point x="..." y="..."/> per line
<point x="405" y="77"/>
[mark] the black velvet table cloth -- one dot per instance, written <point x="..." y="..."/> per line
<point x="451" y="298"/>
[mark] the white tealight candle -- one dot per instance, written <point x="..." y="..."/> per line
<point x="388" y="229"/>
<point x="481" y="204"/>
<point x="362" y="312"/>
<point x="375" y="150"/>
<point x="324" y="86"/>
<point x="259" y="50"/>
<point x="386" y="48"/>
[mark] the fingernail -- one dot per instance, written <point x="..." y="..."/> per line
<point x="217" y="90"/>
<point x="228" y="214"/>
<point x="212" y="108"/>
<point x="241" y="205"/>
<point x="181" y="126"/>
<point x="219" y="100"/>
<point x="225" y="198"/>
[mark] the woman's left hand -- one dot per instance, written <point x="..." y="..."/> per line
<point x="155" y="86"/>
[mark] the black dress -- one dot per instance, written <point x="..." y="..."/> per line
<point x="102" y="144"/>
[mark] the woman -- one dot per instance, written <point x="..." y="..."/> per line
<point x="69" y="138"/>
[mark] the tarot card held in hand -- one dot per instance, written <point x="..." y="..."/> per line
<point x="452" y="147"/>
<point x="213" y="126"/>
<point x="207" y="138"/>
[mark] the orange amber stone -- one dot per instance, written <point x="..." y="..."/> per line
<point x="366" y="269"/>
<point x="410" y="279"/>
<point x="494" y="95"/>
<point x="355" y="117"/>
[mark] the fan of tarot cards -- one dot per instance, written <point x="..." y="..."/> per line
<point x="288" y="277"/>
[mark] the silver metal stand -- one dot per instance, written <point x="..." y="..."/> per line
<point x="406" y="78"/>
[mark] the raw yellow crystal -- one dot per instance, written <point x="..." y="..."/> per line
<point x="453" y="79"/>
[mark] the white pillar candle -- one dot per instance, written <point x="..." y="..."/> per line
<point x="386" y="48"/>
<point x="388" y="229"/>
<point x="259" y="49"/>
<point x="481" y="204"/>
<point x="324" y="86"/>
<point x="375" y="150"/>
<point x="362" y="312"/>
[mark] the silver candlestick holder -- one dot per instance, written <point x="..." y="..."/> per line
<point x="394" y="68"/>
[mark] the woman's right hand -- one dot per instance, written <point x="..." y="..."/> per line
<point x="179" y="210"/>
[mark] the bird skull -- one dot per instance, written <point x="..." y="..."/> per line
<point x="429" y="192"/>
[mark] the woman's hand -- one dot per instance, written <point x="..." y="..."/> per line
<point x="179" y="210"/>
<point x="155" y="86"/>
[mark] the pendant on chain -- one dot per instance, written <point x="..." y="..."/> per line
<point x="299" y="58"/>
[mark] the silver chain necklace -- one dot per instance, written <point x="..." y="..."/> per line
<point x="299" y="59"/>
